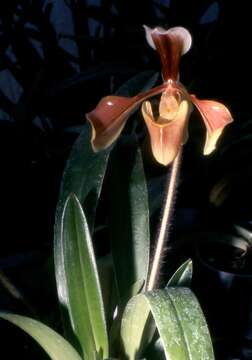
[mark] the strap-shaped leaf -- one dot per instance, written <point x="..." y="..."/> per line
<point x="129" y="209"/>
<point x="183" y="275"/>
<point x="108" y="287"/>
<point x="83" y="176"/>
<point x="180" y="322"/>
<point x="132" y="326"/>
<point x="53" y="343"/>
<point x="84" y="299"/>
<point x="129" y="217"/>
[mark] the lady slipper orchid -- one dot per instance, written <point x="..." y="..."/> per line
<point x="167" y="130"/>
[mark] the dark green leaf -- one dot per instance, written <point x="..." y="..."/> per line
<point x="109" y="291"/>
<point x="141" y="82"/>
<point x="155" y="351"/>
<point x="83" y="176"/>
<point x="129" y="217"/>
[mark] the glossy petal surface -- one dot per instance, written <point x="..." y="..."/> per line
<point x="171" y="45"/>
<point x="108" y="119"/>
<point x="215" y="116"/>
<point x="111" y="113"/>
<point x="166" y="139"/>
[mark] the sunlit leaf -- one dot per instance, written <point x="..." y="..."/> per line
<point x="183" y="275"/>
<point x="53" y="343"/>
<point x="83" y="176"/>
<point x="179" y="319"/>
<point x="116" y="325"/>
<point x="134" y="320"/>
<point x="84" y="299"/>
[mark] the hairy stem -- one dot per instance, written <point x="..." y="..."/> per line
<point x="165" y="223"/>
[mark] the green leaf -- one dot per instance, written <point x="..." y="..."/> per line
<point x="133" y="323"/>
<point x="128" y="217"/>
<point x="53" y="343"/>
<point x="141" y="82"/>
<point x="182" y="276"/>
<point x="116" y="324"/>
<point x="84" y="300"/>
<point x="83" y="176"/>
<point x="129" y="213"/>
<point x="108" y="287"/>
<point x="180" y="322"/>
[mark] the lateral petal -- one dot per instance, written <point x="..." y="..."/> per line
<point x="108" y="119"/>
<point x="215" y="116"/>
<point x="111" y="113"/>
<point x="166" y="139"/>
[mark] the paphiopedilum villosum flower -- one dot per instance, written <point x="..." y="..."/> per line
<point x="167" y="130"/>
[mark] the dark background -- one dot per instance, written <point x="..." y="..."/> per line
<point x="57" y="59"/>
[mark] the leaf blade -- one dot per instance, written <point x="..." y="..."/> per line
<point x="83" y="176"/>
<point x="182" y="276"/>
<point x="193" y="323"/>
<point x="85" y="304"/>
<point x="129" y="218"/>
<point x="179" y="320"/>
<point x="53" y="343"/>
<point x="134" y="319"/>
<point x="181" y="324"/>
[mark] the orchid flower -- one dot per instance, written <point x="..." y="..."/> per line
<point x="167" y="130"/>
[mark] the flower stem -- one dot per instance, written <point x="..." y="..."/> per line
<point x="165" y="223"/>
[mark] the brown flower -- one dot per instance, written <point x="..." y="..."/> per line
<point x="167" y="130"/>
